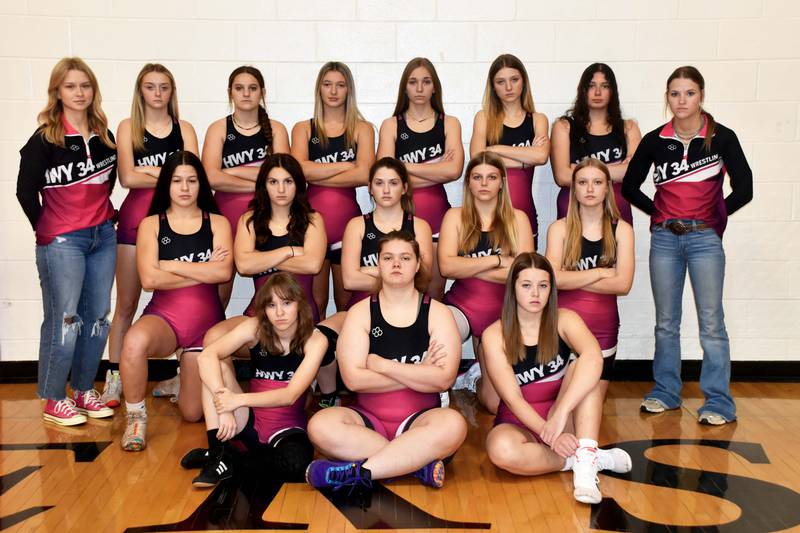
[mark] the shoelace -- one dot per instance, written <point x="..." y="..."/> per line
<point x="66" y="407"/>
<point x="339" y="475"/>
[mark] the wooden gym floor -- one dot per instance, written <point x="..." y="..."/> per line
<point x="743" y="477"/>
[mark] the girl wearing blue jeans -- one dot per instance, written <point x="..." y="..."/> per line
<point x="691" y="155"/>
<point x="67" y="171"/>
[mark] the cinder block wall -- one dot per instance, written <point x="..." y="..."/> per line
<point x="748" y="50"/>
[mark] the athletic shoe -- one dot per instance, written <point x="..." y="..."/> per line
<point x="328" y="400"/>
<point x="614" y="459"/>
<point x="337" y="474"/>
<point x="168" y="387"/>
<point x="432" y="474"/>
<point x="134" y="438"/>
<point x="63" y="413"/>
<point x="196" y="458"/>
<point x="219" y="467"/>
<point x="469" y="379"/>
<point x="652" y="405"/>
<point x="709" y="418"/>
<point x="88" y="403"/>
<point x="584" y="476"/>
<point x="112" y="390"/>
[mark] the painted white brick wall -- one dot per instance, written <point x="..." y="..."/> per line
<point x="748" y="50"/>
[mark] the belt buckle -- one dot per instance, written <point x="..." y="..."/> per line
<point x="678" y="228"/>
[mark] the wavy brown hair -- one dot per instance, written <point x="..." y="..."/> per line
<point x="503" y="234"/>
<point x="284" y="286"/>
<point x="689" y="72"/>
<point x="138" y="105"/>
<point x="574" y="228"/>
<point x="263" y="116"/>
<point x="513" y="345"/>
<point x="407" y="200"/>
<point x="51" y="117"/>
<point x="402" y="96"/>
<point x="493" y="107"/>
<point x="261" y="206"/>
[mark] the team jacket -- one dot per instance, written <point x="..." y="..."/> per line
<point x="689" y="182"/>
<point x="74" y="181"/>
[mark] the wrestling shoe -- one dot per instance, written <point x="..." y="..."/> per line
<point x="219" y="467"/>
<point x="63" y="413"/>
<point x="195" y="458"/>
<point x="169" y="387"/>
<point x="336" y="474"/>
<point x="584" y="476"/>
<point x="134" y="438"/>
<point x="88" y="403"/>
<point x="432" y="474"/>
<point x="112" y="390"/>
<point x="614" y="459"/>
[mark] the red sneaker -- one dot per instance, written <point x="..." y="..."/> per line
<point x="63" y="413"/>
<point x="88" y="403"/>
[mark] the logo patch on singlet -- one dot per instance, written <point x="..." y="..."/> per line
<point x="314" y="140"/>
<point x="370" y="235"/>
<point x="377" y="332"/>
<point x="165" y="240"/>
<point x="404" y="136"/>
<point x="144" y="138"/>
<point x="231" y="136"/>
<point x="74" y="147"/>
<point x="672" y="146"/>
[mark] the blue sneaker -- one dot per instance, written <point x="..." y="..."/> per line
<point x="432" y="474"/>
<point x="336" y="474"/>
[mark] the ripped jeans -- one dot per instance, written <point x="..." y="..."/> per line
<point x="76" y="272"/>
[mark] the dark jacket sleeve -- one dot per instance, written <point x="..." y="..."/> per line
<point x="637" y="171"/>
<point x="739" y="173"/>
<point x="34" y="158"/>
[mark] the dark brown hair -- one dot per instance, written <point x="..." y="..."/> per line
<point x="263" y="116"/>
<point x="422" y="278"/>
<point x="689" y="72"/>
<point x="402" y="97"/>
<point x="285" y="286"/>
<point x="407" y="200"/>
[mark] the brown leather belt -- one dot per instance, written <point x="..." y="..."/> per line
<point x="681" y="228"/>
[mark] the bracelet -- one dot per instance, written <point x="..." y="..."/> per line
<point x="499" y="262"/>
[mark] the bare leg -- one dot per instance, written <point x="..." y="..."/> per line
<point x="320" y="288"/>
<point x="340" y="433"/>
<point x="589" y="413"/>
<point x="221" y="328"/>
<point x="487" y="396"/>
<point x="128" y="291"/>
<point x="515" y="450"/>
<point x="341" y="296"/>
<point x="436" y="286"/>
<point x="189" y="401"/>
<point x="326" y="377"/>
<point x="210" y="412"/>
<point x="150" y="336"/>
<point x="225" y="290"/>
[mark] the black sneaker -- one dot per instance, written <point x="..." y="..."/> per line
<point x="218" y="468"/>
<point x="195" y="459"/>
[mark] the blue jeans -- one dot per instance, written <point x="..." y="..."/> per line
<point x="76" y="272"/>
<point x="670" y="255"/>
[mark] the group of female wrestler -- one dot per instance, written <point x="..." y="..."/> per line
<point x="288" y="218"/>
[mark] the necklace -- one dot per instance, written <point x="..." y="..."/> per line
<point x="423" y="119"/>
<point x="156" y="129"/>
<point x="689" y="137"/>
<point x="245" y="128"/>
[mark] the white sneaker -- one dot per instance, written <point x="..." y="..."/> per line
<point x="652" y="405"/>
<point x="584" y="476"/>
<point x="112" y="390"/>
<point x="469" y="379"/>
<point x="614" y="459"/>
<point x="168" y="387"/>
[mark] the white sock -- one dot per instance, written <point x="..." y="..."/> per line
<point x="568" y="462"/>
<point x="587" y="443"/>
<point x="138" y="406"/>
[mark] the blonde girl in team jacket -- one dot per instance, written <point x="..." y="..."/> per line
<point x="691" y="155"/>
<point x="67" y="170"/>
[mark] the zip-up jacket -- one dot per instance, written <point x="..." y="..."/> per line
<point x="689" y="180"/>
<point x="74" y="182"/>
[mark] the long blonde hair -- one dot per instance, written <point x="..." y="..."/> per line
<point x="493" y="107"/>
<point x="547" y="344"/>
<point x="51" y="117"/>
<point x="352" y="115"/>
<point x="503" y="234"/>
<point x="137" y="106"/>
<point x="574" y="230"/>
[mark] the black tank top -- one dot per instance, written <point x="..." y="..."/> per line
<point x="413" y="147"/>
<point x="522" y="135"/>
<point x="591" y="251"/>
<point x="608" y="148"/>
<point x="273" y="367"/>
<point x="483" y="248"/>
<point x="156" y="149"/>
<point x="369" y="242"/>
<point x="194" y="248"/>
<point x="238" y="149"/>
<point x="273" y="243"/>
<point x="402" y="344"/>
<point x="336" y="150"/>
<point x="530" y="371"/>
